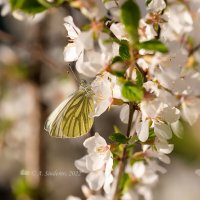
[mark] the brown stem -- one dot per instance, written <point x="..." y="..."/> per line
<point x="159" y="27"/>
<point x="193" y="50"/>
<point x="123" y="161"/>
<point x="141" y="71"/>
<point x="116" y="2"/>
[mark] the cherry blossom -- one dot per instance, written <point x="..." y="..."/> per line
<point x="156" y="5"/>
<point x="177" y="24"/>
<point x="161" y="115"/>
<point x="5" y="7"/>
<point x="102" y="87"/>
<point x="73" y="49"/>
<point x="97" y="163"/>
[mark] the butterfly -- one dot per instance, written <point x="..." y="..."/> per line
<point x="72" y="117"/>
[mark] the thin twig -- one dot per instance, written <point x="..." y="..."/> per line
<point x="36" y="51"/>
<point x="116" y="2"/>
<point x="141" y="71"/>
<point x="123" y="161"/>
<point x="193" y="50"/>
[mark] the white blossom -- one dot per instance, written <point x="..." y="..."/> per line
<point x="102" y="87"/>
<point x="130" y="195"/>
<point x="146" y="31"/>
<point x="161" y="115"/>
<point x="5" y="7"/>
<point x="190" y="109"/>
<point x="73" y="49"/>
<point x="118" y="30"/>
<point x="156" y="5"/>
<point x="177" y="24"/>
<point x="97" y="163"/>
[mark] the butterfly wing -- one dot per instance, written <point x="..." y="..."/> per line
<point x="72" y="117"/>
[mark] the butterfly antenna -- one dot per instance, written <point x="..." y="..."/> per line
<point x="74" y="75"/>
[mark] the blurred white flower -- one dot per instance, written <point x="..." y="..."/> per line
<point x="93" y="9"/>
<point x="97" y="197"/>
<point x="130" y="195"/>
<point x="118" y="30"/>
<point x="73" y="198"/>
<point x="113" y="7"/>
<point x="156" y="5"/>
<point x="5" y="7"/>
<point x="177" y="24"/>
<point x="177" y="128"/>
<point x="190" y="109"/>
<point x="146" y="31"/>
<point x="145" y="192"/>
<point x="161" y="148"/>
<point x="97" y="163"/>
<point x="147" y="178"/>
<point x="197" y="172"/>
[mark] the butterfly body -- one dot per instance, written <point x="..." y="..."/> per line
<point x="72" y="117"/>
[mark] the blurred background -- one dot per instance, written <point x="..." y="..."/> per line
<point x="33" y="80"/>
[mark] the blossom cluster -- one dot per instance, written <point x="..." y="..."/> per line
<point x="137" y="66"/>
<point x="149" y="66"/>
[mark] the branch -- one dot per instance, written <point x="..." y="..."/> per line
<point x="35" y="51"/>
<point x="123" y="160"/>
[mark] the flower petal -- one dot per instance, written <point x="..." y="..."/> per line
<point x="95" y="161"/>
<point x="143" y="131"/>
<point x="95" y="180"/>
<point x="139" y="169"/>
<point x="94" y="142"/>
<point x="81" y="164"/>
<point x="163" y="131"/>
<point x="177" y="129"/>
<point x="169" y="114"/>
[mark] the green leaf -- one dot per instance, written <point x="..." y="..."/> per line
<point x="117" y="72"/>
<point x="16" y="4"/>
<point x="5" y="125"/>
<point x="130" y="16"/>
<point x="139" y="78"/>
<point x="133" y="140"/>
<point x="116" y="129"/>
<point x="117" y="59"/>
<point x="124" y="50"/>
<point x="47" y="4"/>
<point x="153" y="45"/>
<point x="132" y="92"/>
<point x="20" y="188"/>
<point x="30" y="6"/>
<point x="118" y="137"/>
<point x="152" y="134"/>
<point x="124" y="183"/>
<point x="148" y="2"/>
